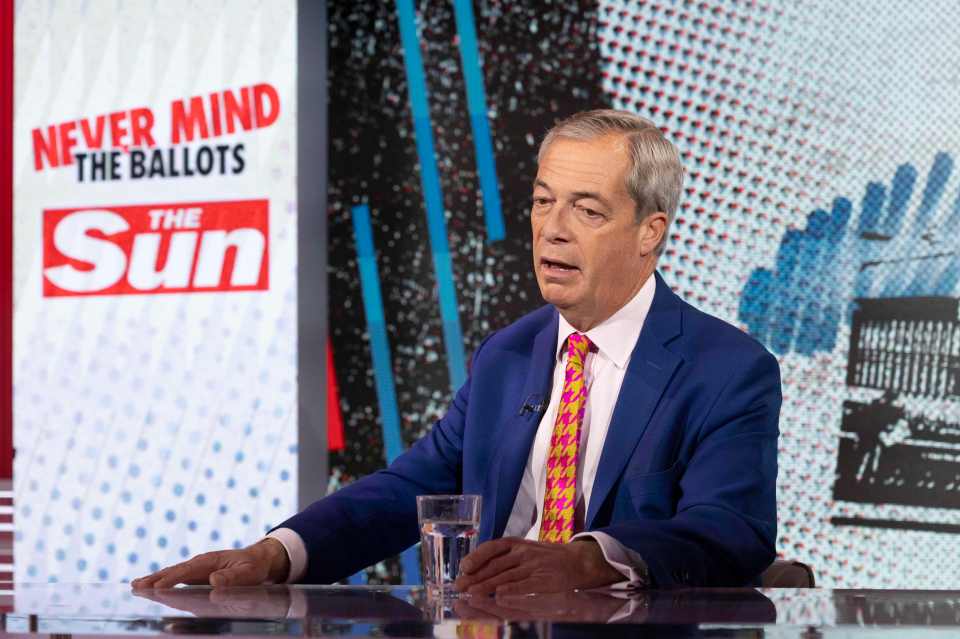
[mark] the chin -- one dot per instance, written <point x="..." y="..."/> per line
<point x="557" y="295"/>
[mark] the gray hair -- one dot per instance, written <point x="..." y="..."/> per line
<point x="655" y="179"/>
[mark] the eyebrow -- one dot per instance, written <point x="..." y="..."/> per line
<point x="539" y="182"/>
<point x="582" y="195"/>
<point x="577" y="195"/>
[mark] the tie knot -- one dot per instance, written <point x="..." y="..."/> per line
<point x="578" y="345"/>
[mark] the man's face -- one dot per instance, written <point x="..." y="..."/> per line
<point x="590" y="254"/>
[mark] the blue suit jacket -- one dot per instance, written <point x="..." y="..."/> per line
<point x="687" y="476"/>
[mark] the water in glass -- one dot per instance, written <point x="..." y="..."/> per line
<point x="444" y="545"/>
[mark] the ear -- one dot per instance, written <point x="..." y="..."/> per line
<point x="652" y="231"/>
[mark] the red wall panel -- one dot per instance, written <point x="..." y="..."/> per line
<point x="6" y="240"/>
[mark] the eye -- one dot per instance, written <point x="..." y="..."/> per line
<point x="541" y="201"/>
<point x="590" y="213"/>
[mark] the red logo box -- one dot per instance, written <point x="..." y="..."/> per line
<point x="185" y="247"/>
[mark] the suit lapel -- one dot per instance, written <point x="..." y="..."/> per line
<point x="517" y="435"/>
<point x="649" y="372"/>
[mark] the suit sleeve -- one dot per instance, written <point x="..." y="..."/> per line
<point x="724" y="529"/>
<point x="376" y="516"/>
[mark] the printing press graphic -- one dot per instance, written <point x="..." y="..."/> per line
<point x="898" y="448"/>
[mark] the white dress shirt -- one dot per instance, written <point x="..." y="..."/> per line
<point x="604" y="371"/>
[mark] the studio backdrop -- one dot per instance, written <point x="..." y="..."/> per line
<point x="155" y="282"/>
<point x="820" y="214"/>
<point x="168" y="395"/>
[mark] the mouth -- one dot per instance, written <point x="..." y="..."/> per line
<point x="557" y="267"/>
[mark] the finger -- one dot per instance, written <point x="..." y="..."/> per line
<point x="487" y="551"/>
<point x="493" y="567"/>
<point x="194" y="571"/>
<point x="142" y="582"/>
<point x="188" y="580"/>
<point x="490" y="585"/>
<point x="245" y="574"/>
<point x="147" y="581"/>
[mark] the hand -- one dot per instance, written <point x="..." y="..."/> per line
<point x="517" y="566"/>
<point x="264" y="562"/>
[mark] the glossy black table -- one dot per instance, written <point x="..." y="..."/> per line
<point x="402" y="611"/>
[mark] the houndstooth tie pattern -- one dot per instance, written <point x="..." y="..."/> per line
<point x="559" y="500"/>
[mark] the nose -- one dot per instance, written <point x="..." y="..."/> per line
<point x="556" y="229"/>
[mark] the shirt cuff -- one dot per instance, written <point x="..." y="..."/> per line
<point x="296" y="551"/>
<point x="630" y="564"/>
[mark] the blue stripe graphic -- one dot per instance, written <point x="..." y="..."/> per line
<point x="933" y="192"/>
<point x="432" y="195"/>
<point x="382" y="368"/>
<point x="377" y="327"/>
<point x="410" y="562"/>
<point x="477" y="107"/>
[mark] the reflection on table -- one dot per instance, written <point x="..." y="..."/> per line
<point x="112" y="609"/>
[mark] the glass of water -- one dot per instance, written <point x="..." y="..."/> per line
<point x="449" y="531"/>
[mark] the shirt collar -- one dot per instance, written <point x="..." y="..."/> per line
<point x="616" y="336"/>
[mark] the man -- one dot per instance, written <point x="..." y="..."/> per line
<point x="618" y="418"/>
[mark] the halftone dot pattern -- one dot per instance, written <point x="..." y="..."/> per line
<point x="716" y="77"/>
<point x="150" y="428"/>
<point x="815" y="175"/>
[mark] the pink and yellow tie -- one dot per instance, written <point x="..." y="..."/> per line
<point x="560" y="498"/>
